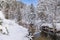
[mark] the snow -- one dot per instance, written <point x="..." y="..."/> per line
<point x="1" y="15"/>
<point x="15" y="31"/>
<point x="51" y="26"/>
<point x="58" y="26"/>
<point x="47" y="24"/>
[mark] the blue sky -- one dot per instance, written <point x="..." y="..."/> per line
<point x="29" y="2"/>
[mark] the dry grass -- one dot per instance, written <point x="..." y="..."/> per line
<point x="42" y="38"/>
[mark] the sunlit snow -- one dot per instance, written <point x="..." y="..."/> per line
<point x="15" y="31"/>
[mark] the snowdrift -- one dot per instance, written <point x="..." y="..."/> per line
<point x="15" y="31"/>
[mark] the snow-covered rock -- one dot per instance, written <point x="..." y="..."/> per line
<point x="47" y="24"/>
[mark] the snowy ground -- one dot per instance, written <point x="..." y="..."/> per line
<point x="15" y="32"/>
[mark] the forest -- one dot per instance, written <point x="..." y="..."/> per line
<point x="42" y="22"/>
